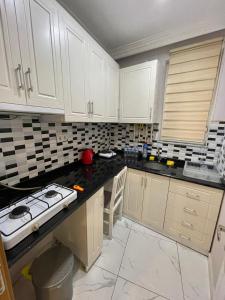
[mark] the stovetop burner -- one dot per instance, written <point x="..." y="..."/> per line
<point x="51" y="194"/>
<point x="19" y="212"/>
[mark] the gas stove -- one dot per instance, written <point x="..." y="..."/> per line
<point x="25" y="216"/>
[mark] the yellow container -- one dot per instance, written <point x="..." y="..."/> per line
<point x="170" y="163"/>
<point x="151" y="157"/>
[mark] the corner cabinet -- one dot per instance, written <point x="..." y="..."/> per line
<point x="82" y="232"/>
<point x="137" y="93"/>
<point x="6" y="291"/>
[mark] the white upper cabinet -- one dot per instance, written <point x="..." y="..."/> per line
<point x="97" y="82"/>
<point x="11" y="73"/>
<point x="74" y="58"/>
<point x="41" y="57"/>
<point x="112" y="90"/>
<point x="137" y="92"/>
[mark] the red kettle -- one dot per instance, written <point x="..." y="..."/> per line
<point x="87" y="156"/>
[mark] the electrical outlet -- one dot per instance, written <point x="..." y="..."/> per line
<point x="61" y="137"/>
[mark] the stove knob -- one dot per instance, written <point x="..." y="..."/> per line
<point x="35" y="227"/>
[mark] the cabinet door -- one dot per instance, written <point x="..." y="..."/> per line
<point x="94" y="226"/>
<point x="155" y="199"/>
<point x="41" y="53"/>
<point x="11" y="73"/>
<point x="74" y="58"/>
<point x="133" y="196"/>
<point x="96" y="82"/>
<point x="137" y="92"/>
<point x="6" y="292"/>
<point x="112" y="91"/>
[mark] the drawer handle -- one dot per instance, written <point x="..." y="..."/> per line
<point x="188" y="225"/>
<point x="190" y="211"/>
<point x="2" y="284"/>
<point x="191" y="196"/>
<point x="184" y="237"/>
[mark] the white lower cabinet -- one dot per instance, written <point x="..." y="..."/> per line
<point x="145" y="198"/>
<point x="154" y="200"/>
<point x="133" y="196"/>
<point x="184" y="211"/>
<point x="82" y="232"/>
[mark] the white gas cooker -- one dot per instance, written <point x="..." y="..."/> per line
<point x="25" y="216"/>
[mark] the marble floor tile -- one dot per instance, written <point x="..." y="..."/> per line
<point x="125" y="290"/>
<point x="97" y="284"/>
<point x="125" y="222"/>
<point x="140" y="228"/>
<point x="194" y="272"/>
<point x="152" y="263"/>
<point x="113" y="250"/>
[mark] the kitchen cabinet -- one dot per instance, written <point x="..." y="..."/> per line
<point x="6" y="292"/>
<point x="90" y="76"/>
<point x="11" y="72"/>
<point x="133" y="196"/>
<point x="39" y="35"/>
<point x="184" y="211"/>
<point x="145" y="198"/>
<point x="191" y="214"/>
<point x="137" y="93"/>
<point x="97" y="83"/>
<point x="154" y="200"/>
<point x="75" y="63"/>
<point x="112" y="90"/>
<point x="82" y="232"/>
<point x="31" y="76"/>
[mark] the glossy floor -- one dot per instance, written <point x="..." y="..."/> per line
<point x="139" y="264"/>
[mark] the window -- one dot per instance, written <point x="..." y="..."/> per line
<point x="191" y="80"/>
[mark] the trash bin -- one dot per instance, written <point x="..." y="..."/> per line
<point x="52" y="274"/>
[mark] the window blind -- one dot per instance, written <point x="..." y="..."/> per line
<point x="190" y="85"/>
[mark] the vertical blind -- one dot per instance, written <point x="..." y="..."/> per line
<point x="190" y="85"/>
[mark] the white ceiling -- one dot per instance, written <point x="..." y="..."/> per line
<point x="120" y="24"/>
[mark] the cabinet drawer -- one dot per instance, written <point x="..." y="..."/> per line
<point x="192" y="225"/>
<point x="183" y="206"/>
<point x="187" y="237"/>
<point x="196" y="192"/>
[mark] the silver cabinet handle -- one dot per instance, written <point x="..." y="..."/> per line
<point x="220" y="229"/>
<point x="195" y="197"/>
<point x="28" y="77"/>
<point x="18" y="71"/>
<point x="92" y="107"/>
<point x="188" y="225"/>
<point x="190" y="211"/>
<point x="88" y="107"/>
<point x="2" y="284"/>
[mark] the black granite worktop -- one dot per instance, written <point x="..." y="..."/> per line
<point x="91" y="178"/>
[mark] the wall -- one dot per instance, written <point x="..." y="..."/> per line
<point x="122" y="135"/>
<point x="29" y="147"/>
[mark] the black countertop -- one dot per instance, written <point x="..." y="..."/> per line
<point x="91" y="178"/>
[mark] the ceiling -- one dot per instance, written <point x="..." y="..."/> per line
<point x="126" y="27"/>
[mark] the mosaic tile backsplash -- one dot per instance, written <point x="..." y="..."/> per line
<point x="29" y="147"/>
<point x="123" y="135"/>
